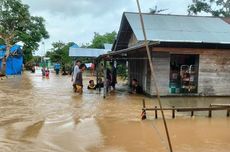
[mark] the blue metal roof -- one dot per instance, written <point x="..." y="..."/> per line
<point x="76" y="51"/>
<point x="175" y="28"/>
<point x="74" y="46"/>
<point x="86" y="52"/>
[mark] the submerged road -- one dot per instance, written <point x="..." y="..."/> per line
<point x="44" y="115"/>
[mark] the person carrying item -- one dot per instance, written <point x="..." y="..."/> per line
<point x="136" y="89"/>
<point x="91" y="85"/>
<point x="79" y="80"/>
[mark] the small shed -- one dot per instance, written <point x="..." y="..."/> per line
<point x="191" y="54"/>
<point x="14" y="61"/>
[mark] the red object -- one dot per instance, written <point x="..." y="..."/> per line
<point x="47" y="73"/>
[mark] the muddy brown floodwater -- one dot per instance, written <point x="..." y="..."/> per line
<point x="44" y="115"/>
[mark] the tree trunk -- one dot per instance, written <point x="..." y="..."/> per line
<point x="3" y="67"/>
<point x="4" y="59"/>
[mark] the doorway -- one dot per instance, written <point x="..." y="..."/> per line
<point x="183" y="73"/>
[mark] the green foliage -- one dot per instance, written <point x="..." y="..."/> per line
<point x="16" y="24"/>
<point x="122" y="70"/>
<point x="60" y="53"/>
<point x="32" y="62"/>
<point x="214" y="7"/>
<point x="99" y="40"/>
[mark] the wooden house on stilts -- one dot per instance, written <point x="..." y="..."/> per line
<point x="191" y="54"/>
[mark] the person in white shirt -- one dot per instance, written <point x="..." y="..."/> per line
<point x="75" y="71"/>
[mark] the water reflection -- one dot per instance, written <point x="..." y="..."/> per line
<point x="39" y="114"/>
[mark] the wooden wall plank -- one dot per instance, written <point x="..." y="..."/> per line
<point x="214" y="75"/>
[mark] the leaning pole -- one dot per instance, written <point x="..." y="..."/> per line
<point x="153" y="75"/>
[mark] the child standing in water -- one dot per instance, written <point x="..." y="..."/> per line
<point x="47" y="73"/>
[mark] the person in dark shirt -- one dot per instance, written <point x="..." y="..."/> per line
<point x="100" y="83"/>
<point x="113" y="76"/>
<point x="43" y="71"/>
<point x="108" y="79"/>
<point x="136" y="89"/>
<point x="79" y="79"/>
<point x="33" y="69"/>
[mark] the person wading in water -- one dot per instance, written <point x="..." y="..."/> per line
<point x="79" y="79"/>
<point x="74" y="73"/>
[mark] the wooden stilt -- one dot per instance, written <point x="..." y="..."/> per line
<point x="192" y="113"/>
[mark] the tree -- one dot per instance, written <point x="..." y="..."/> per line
<point x="99" y="40"/>
<point x="60" y="53"/>
<point x="213" y="7"/>
<point x="16" y="24"/>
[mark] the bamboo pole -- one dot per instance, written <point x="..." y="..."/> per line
<point x="153" y="74"/>
<point x="105" y="79"/>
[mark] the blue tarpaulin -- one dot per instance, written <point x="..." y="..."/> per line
<point x="14" y="61"/>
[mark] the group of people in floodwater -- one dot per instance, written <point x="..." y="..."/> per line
<point x="77" y="79"/>
<point x="111" y="80"/>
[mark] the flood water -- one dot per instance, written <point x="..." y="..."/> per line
<point x="44" y="115"/>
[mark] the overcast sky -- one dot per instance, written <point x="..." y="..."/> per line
<point x="77" y="20"/>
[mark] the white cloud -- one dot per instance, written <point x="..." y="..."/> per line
<point x="77" y="20"/>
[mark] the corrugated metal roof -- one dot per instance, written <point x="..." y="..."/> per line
<point x="173" y="28"/>
<point x="86" y="52"/>
<point x="108" y="46"/>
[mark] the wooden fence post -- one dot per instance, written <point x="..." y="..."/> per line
<point x="143" y="114"/>
<point x="192" y="113"/>
<point x="173" y="112"/>
<point x="156" y="112"/>
<point x="228" y="112"/>
<point x="210" y="112"/>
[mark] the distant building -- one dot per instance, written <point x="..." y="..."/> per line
<point x="191" y="54"/>
<point x="76" y="51"/>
